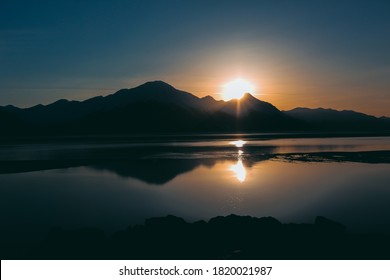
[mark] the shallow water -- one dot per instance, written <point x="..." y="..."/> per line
<point x="111" y="186"/>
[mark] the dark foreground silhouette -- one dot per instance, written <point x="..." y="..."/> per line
<point x="231" y="237"/>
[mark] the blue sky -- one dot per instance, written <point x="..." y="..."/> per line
<point x="297" y="53"/>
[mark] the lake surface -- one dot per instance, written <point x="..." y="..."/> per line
<point x="111" y="186"/>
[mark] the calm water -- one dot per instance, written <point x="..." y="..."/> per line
<point x="111" y="186"/>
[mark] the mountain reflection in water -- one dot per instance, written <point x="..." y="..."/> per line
<point x="159" y="165"/>
<point x="111" y="186"/>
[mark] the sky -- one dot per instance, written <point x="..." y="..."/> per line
<point x="330" y="53"/>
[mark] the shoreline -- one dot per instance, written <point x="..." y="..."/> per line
<point x="131" y="138"/>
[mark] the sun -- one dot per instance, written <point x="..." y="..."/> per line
<point x="236" y="89"/>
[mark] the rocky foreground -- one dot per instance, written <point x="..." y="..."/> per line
<point x="230" y="237"/>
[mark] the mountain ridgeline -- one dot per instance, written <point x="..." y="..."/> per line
<point x="157" y="107"/>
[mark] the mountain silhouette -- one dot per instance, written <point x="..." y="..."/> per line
<point x="10" y="123"/>
<point x="64" y="110"/>
<point x="248" y="104"/>
<point x="157" y="107"/>
<point x="330" y="119"/>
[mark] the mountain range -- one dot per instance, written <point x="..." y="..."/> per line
<point x="157" y="107"/>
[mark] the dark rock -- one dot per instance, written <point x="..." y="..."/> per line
<point x="230" y="237"/>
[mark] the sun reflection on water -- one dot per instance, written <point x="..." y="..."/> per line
<point x="239" y="170"/>
<point x="238" y="143"/>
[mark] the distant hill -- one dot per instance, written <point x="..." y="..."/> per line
<point x="333" y="120"/>
<point x="11" y="123"/>
<point x="385" y="119"/>
<point x="157" y="107"/>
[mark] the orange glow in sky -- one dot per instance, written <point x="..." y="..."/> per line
<point x="236" y="89"/>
